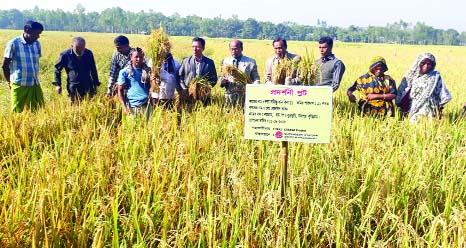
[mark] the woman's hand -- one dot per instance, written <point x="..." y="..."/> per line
<point x="376" y="97"/>
<point x="351" y="96"/>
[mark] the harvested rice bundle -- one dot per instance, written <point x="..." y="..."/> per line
<point x="292" y="66"/>
<point x="308" y="70"/>
<point x="159" y="46"/>
<point x="240" y="76"/>
<point x="199" y="88"/>
<point x="286" y="68"/>
<point x="279" y="73"/>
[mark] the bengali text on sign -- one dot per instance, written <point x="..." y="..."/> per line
<point x="288" y="113"/>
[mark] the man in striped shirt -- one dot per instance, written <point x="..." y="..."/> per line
<point x="121" y="57"/>
<point x="21" y="67"/>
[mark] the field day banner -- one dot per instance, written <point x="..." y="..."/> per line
<point x="288" y="113"/>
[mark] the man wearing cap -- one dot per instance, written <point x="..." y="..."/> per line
<point x="21" y="67"/>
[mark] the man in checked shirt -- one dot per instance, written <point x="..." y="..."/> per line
<point x="21" y="67"/>
<point x="120" y="59"/>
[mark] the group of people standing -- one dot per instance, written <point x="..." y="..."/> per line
<point x="421" y="92"/>
<point x="178" y="76"/>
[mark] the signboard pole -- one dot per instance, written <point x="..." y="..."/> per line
<point x="288" y="114"/>
<point x="284" y="172"/>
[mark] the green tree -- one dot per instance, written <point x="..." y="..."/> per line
<point x="117" y="20"/>
<point x="80" y="17"/>
<point x="450" y="37"/>
<point x="251" y="29"/>
<point x="14" y="19"/>
<point x="423" y="34"/>
<point x="462" y="39"/>
<point x="268" y="31"/>
<point x="113" y="20"/>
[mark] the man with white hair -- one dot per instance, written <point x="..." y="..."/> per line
<point x="81" y="71"/>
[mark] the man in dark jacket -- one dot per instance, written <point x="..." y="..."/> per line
<point x="197" y="65"/>
<point x="80" y="68"/>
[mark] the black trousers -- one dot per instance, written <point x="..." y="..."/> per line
<point x="77" y="91"/>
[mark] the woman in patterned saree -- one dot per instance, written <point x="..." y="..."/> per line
<point x="422" y="91"/>
<point x="377" y="90"/>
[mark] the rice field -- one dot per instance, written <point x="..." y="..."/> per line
<point x="86" y="176"/>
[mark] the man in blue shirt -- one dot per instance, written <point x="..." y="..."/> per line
<point x="21" y="67"/>
<point x="80" y="68"/>
<point x="136" y="78"/>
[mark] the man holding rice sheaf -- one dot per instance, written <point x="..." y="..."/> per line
<point x="167" y="82"/>
<point x="199" y="71"/>
<point x="282" y="67"/>
<point x="165" y="68"/>
<point x="237" y="71"/>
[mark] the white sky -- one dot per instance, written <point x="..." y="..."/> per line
<point x="442" y="14"/>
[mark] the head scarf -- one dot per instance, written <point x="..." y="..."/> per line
<point x="429" y="80"/>
<point x="378" y="60"/>
<point x="413" y="71"/>
<point x="423" y="86"/>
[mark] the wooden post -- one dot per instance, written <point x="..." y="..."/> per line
<point x="284" y="175"/>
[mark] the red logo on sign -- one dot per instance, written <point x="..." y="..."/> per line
<point x="278" y="134"/>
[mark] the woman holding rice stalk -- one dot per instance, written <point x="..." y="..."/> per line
<point x="422" y="91"/>
<point x="136" y="78"/>
<point x="237" y="71"/>
<point x="377" y="90"/>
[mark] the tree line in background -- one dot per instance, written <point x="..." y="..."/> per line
<point x="117" y="20"/>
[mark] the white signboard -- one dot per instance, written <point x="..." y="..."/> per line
<point x="288" y="113"/>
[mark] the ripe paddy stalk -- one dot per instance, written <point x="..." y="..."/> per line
<point x="73" y="160"/>
<point x="307" y="69"/>
<point x="159" y="46"/>
<point x="240" y="77"/>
